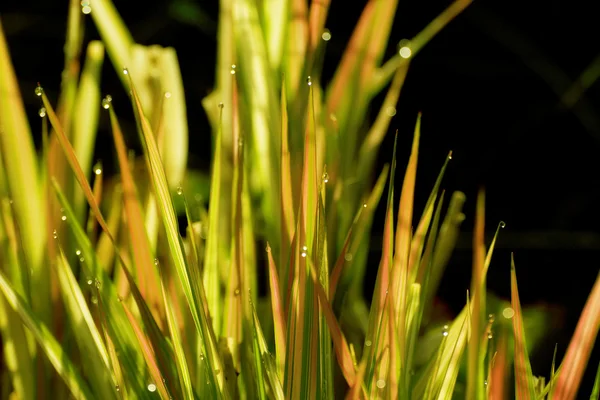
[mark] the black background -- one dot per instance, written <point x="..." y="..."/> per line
<point x="489" y="86"/>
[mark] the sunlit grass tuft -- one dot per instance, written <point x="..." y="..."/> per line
<point x="260" y="296"/>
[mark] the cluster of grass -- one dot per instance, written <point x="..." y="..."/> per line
<point x="104" y="297"/>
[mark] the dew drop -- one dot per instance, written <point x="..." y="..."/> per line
<point x="63" y="217"/>
<point x="117" y="388"/>
<point x="202" y="357"/>
<point x="54" y="234"/>
<point x="380" y="383"/>
<point x="98" y="168"/>
<point x="97" y="284"/>
<point x="232" y="69"/>
<point x="390" y="111"/>
<point x="85" y="7"/>
<point x="502" y="224"/>
<point x="90" y="281"/>
<point x="167" y="95"/>
<point x="364" y="205"/>
<point x="445" y="330"/>
<point x="450" y="155"/>
<point x="221" y="105"/>
<point x="125" y="71"/>
<point x="404" y="49"/>
<point x="151" y="387"/>
<point x="485" y="382"/>
<point x="325" y="177"/>
<point x="309" y="81"/>
<point x="81" y="259"/>
<point x="236" y="292"/>
<point x="491" y="318"/>
<point x="368" y="343"/>
<point x="508" y="313"/>
<point x="94" y="300"/>
<point x="156" y="262"/>
<point x="348" y="257"/>
<point x="39" y="91"/>
<point x="490" y="335"/>
<point x="179" y="190"/>
<point x="78" y="252"/>
<point x="304" y="248"/>
<point x="326" y="36"/>
<point x="303" y="254"/>
<point x="42" y="112"/>
<point x="268" y="248"/>
<point x="106" y="101"/>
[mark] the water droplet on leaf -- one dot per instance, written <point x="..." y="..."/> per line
<point x="106" y="101"/>
<point x="404" y="49"/>
<point x="326" y="36"/>
<point x="502" y="224"/>
<point x="179" y="190"/>
<point x="368" y="343"/>
<point x="39" y="91"/>
<point x="85" y="7"/>
<point x="445" y="330"/>
<point x="309" y="81"/>
<point x="348" y="257"/>
<point x="125" y="71"/>
<point x="152" y="387"/>
<point x="42" y="112"/>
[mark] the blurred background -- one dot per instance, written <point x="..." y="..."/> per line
<point x="511" y="87"/>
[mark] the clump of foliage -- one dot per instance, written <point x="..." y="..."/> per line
<point x="103" y="297"/>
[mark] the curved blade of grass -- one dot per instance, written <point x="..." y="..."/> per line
<point x="279" y="317"/>
<point x="475" y="367"/>
<point x="399" y="273"/>
<point x="63" y="365"/>
<point x="580" y="347"/>
<point x="287" y="201"/>
<point x="114" y="34"/>
<point x="524" y="384"/>
<point x="358" y="241"/>
<point x="342" y="351"/>
<point x="177" y="254"/>
<point x="444" y="246"/>
<point x="87" y="335"/>
<point x="22" y="178"/>
<point x="147" y="271"/>
<point x="86" y="112"/>
<point x="19" y="357"/>
<point x="183" y="373"/>
<point x="148" y="353"/>
<point x="120" y="329"/>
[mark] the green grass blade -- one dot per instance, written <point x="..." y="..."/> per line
<point x="63" y="365"/>
<point x="524" y="384"/>
<point x="295" y="47"/>
<point x="580" y="347"/>
<point x="149" y="356"/>
<point x="22" y="178"/>
<point x="399" y="273"/>
<point x="183" y="373"/>
<point x="85" y="114"/>
<point x="147" y="274"/>
<point x="177" y="254"/>
<point x="279" y="316"/>
<point x="119" y="327"/>
<point x="87" y="335"/>
<point x="596" y="389"/>
<point x="114" y="35"/>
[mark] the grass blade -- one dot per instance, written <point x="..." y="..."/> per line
<point x="475" y="371"/>
<point x="279" y="317"/>
<point x="580" y="347"/>
<point x="87" y="335"/>
<point x="63" y="365"/>
<point x="524" y="384"/>
<point x="165" y="206"/>
<point x="596" y="389"/>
